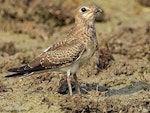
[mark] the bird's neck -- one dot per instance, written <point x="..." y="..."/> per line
<point x="81" y="28"/>
<point x="85" y="24"/>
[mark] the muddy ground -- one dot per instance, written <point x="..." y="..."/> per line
<point x="115" y="80"/>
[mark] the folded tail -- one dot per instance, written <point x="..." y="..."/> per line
<point x="23" y="70"/>
<point x="15" y="75"/>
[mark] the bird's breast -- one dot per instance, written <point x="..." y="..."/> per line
<point x="91" y="44"/>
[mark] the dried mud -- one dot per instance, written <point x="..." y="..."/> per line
<point x="115" y="80"/>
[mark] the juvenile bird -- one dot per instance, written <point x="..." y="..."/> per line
<point x="69" y="54"/>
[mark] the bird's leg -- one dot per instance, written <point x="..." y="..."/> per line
<point x="77" y="86"/>
<point x="69" y="83"/>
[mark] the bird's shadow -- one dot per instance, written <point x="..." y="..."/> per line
<point x="63" y="89"/>
<point x="134" y="87"/>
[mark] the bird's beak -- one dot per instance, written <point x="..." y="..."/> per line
<point x="98" y="10"/>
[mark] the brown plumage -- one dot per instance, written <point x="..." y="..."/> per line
<point x="71" y="53"/>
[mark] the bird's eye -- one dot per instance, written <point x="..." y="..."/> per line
<point x="83" y="9"/>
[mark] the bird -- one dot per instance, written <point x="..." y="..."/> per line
<point x="70" y="53"/>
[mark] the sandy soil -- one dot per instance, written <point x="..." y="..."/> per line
<point x="115" y="80"/>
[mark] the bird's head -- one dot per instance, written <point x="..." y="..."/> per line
<point x="86" y="13"/>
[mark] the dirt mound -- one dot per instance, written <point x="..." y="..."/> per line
<point x="7" y="49"/>
<point x="131" y="42"/>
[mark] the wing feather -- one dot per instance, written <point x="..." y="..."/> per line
<point x="59" y="55"/>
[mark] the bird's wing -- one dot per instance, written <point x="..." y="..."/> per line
<point x="59" y="55"/>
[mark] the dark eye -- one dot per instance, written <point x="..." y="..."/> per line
<point x="83" y="9"/>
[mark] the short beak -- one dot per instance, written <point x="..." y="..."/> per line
<point x="98" y="10"/>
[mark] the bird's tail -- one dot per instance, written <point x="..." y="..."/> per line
<point x="15" y="75"/>
<point x="19" y="71"/>
<point x="24" y="70"/>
